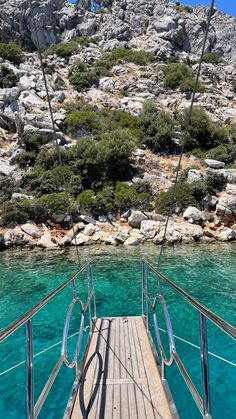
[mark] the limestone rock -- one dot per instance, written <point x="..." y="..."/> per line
<point x="5" y="168"/>
<point x="132" y="241"/>
<point x="46" y="241"/>
<point x="150" y="228"/>
<point x="89" y="229"/>
<point x="192" y="214"/>
<point x="214" y="164"/>
<point x="227" y="235"/>
<point x="226" y="205"/>
<point x="107" y="84"/>
<point x="122" y="236"/>
<point x="19" y="196"/>
<point x="136" y="218"/>
<point x="231" y="189"/>
<point x="32" y="230"/>
<point x="87" y="219"/>
<point x="81" y="240"/>
<point x="194" y="176"/>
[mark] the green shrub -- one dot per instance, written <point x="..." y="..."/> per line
<point x="49" y="68"/>
<point x="26" y="158"/>
<point x="86" y="119"/>
<point x="132" y="56"/>
<point x="212" y="58"/>
<point x="215" y="182"/>
<point x="128" y="197"/>
<point x="7" y="186"/>
<point x="233" y="84"/>
<point x="188" y="85"/>
<point x="65" y="50"/>
<point x="157" y="128"/>
<point x="7" y="77"/>
<point x="82" y="77"/>
<point x="175" y="74"/>
<point x="224" y="152"/>
<point x="15" y="213"/>
<point x="85" y="201"/>
<point x="183" y="199"/>
<point x="202" y="132"/>
<point x="114" y="154"/>
<point x="11" y="52"/>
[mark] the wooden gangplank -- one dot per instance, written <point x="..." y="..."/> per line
<point x="120" y="377"/>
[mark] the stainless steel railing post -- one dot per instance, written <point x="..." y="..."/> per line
<point x="142" y="288"/>
<point x="146" y="292"/>
<point x="29" y="369"/>
<point x="204" y="366"/>
<point x="89" y="297"/>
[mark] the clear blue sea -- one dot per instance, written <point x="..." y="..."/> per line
<point x="207" y="272"/>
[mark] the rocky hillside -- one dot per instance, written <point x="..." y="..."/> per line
<point x="120" y="80"/>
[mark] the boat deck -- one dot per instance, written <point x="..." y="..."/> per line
<point x="120" y="378"/>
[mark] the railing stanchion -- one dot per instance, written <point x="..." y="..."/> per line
<point x="89" y="297"/>
<point x="29" y="369"/>
<point x="143" y="288"/>
<point x="204" y="366"/>
<point x="146" y="295"/>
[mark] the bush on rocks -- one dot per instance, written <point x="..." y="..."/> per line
<point x="157" y="128"/>
<point x="11" y="52"/>
<point x="82" y="77"/>
<point x="202" y="132"/>
<point x="212" y="58"/>
<point x="180" y="75"/>
<point x="7" y="77"/>
<point x="65" y="50"/>
<point x="183" y="198"/>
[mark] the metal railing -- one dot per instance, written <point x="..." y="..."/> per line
<point x="33" y="409"/>
<point x="202" y="402"/>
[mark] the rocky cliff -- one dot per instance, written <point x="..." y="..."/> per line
<point x="165" y="27"/>
<point x="173" y="34"/>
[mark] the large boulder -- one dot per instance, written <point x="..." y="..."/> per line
<point x="226" y="205"/>
<point x="32" y="230"/>
<point x="136" y="218"/>
<point x="192" y="214"/>
<point x="149" y="228"/>
<point x="228" y="234"/>
<point x="46" y="241"/>
<point x="132" y="241"/>
<point x="107" y="84"/>
<point x="214" y="164"/>
<point x="194" y="175"/>
<point x="89" y="229"/>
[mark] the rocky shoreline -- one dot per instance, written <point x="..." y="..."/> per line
<point x="130" y="230"/>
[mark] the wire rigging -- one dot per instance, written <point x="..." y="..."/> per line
<point x="188" y="123"/>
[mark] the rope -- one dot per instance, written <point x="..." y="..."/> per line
<point x="55" y="140"/>
<point x="198" y="347"/>
<point x="188" y="122"/>
<point x="75" y="334"/>
<point x="38" y="354"/>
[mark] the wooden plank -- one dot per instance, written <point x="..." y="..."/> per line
<point x="121" y="379"/>
<point x="123" y="369"/>
<point x="158" y="397"/>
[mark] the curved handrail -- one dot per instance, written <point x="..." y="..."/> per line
<point x="12" y="327"/>
<point x="222" y="324"/>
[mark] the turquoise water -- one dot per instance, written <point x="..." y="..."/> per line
<point x="208" y="273"/>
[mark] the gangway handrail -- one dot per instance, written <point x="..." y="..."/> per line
<point x="33" y="409"/>
<point x="16" y="324"/>
<point x="203" y="403"/>
<point x="222" y="324"/>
